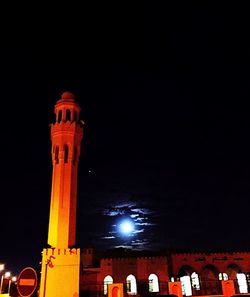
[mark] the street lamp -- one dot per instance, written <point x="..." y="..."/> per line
<point x="13" y="279"/>
<point x="6" y="275"/>
<point x="1" y="284"/>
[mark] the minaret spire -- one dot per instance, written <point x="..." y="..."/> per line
<point x="66" y="136"/>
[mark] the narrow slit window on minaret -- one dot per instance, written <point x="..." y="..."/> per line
<point x="67" y="115"/>
<point x="66" y="153"/>
<point x="59" y="116"/>
<point x="57" y="155"/>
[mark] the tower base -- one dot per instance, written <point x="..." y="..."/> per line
<point x="60" y="273"/>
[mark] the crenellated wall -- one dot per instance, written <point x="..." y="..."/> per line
<point x="172" y="265"/>
<point x="60" y="272"/>
<point x="220" y="261"/>
<point x="141" y="267"/>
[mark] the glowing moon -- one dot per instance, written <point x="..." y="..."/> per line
<point x="126" y="227"/>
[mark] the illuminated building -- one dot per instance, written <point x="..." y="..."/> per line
<point x="149" y="273"/>
<point x="61" y="262"/>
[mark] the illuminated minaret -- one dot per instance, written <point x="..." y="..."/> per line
<point x="61" y="262"/>
<point x="66" y="136"/>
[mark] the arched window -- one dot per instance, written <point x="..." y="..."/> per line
<point x="232" y="271"/>
<point x="131" y="285"/>
<point x="66" y="153"/>
<point x="186" y="285"/>
<point x="223" y="276"/>
<point x="67" y="115"/>
<point x="57" y="154"/>
<point x="195" y="281"/>
<point x="209" y="275"/>
<point x="242" y="282"/>
<point x="107" y="280"/>
<point x="59" y="116"/>
<point x="153" y="283"/>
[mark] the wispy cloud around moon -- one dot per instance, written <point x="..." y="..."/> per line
<point x="136" y="212"/>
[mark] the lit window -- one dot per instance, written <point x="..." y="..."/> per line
<point x="248" y="279"/>
<point x="223" y="276"/>
<point x="153" y="283"/>
<point x="242" y="282"/>
<point x="131" y="285"/>
<point x="186" y="285"/>
<point x="107" y="280"/>
<point x="195" y="281"/>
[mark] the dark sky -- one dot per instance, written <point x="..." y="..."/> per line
<point x="164" y="93"/>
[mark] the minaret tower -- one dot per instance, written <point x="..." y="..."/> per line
<point x="61" y="262"/>
<point x="66" y="136"/>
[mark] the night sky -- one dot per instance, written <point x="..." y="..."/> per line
<point x="164" y="93"/>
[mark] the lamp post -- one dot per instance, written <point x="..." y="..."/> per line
<point x="7" y="275"/>
<point x="13" y="279"/>
<point x="1" y="284"/>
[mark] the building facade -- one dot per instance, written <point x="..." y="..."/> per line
<point x="145" y="273"/>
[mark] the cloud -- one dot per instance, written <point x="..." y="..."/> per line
<point x="138" y="231"/>
<point x="145" y="224"/>
<point x="139" y="242"/>
<point x="124" y="208"/>
<point x="139" y="219"/>
<point x="113" y="212"/>
<point x="144" y="211"/>
<point x="123" y="246"/>
<point x="134" y="215"/>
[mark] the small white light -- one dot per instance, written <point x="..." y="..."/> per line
<point x="7" y="274"/>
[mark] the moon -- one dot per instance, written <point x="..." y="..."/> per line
<point x="126" y="227"/>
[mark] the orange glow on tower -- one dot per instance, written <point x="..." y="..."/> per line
<point x="61" y="262"/>
<point x="66" y="136"/>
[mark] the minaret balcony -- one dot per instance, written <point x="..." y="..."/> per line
<point x="67" y="127"/>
